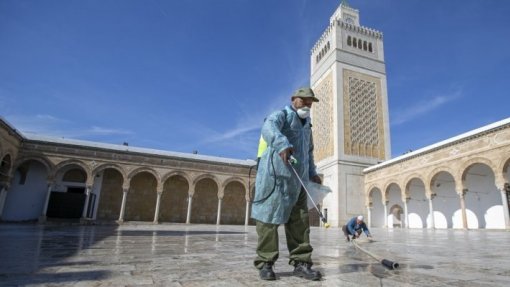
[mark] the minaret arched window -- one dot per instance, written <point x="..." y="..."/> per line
<point x="370" y="47"/>
<point x="365" y="45"/>
<point x="355" y="42"/>
<point x="360" y="44"/>
<point x="349" y="41"/>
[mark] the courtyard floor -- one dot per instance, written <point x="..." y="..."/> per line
<point x="136" y="254"/>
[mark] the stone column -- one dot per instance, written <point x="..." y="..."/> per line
<point x="386" y="214"/>
<point x="247" y="214"/>
<point x="158" y="203"/>
<point x="218" y="216"/>
<point x="463" y="208"/>
<point x="86" y="204"/>
<point x="431" y="211"/>
<point x="123" y="204"/>
<point x="504" y="199"/>
<point x="406" y="213"/>
<point x="188" y="215"/>
<point x="369" y="215"/>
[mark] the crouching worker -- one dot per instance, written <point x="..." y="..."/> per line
<point x="279" y="197"/>
<point x="354" y="227"/>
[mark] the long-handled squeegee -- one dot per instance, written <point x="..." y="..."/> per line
<point x="292" y="161"/>
<point x="390" y="264"/>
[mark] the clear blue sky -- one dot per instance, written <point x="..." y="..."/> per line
<point x="202" y="74"/>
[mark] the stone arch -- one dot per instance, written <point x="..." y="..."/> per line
<point x="395" y="213"/>
<point x="376" y="206"/>
<point x="369" y="193"/>
<point x="233" y="206"/>
<point x="206" y="175"/>
<point x="408" y="180"/>
<point x="393" y="195"/>
<point x="105" y="166"/>
<point x="50" y="167"/>
<point x="182" y="174"/>
<point x="386" y="189"/>
<point x="431" y="177"/>
<point x="142" y="169"/>
<point x="110" y="191"/>
<point x="232" y="179"/>
<point x="72" y="162"/>
<point x="504" y="168"/>
<point x="467" y="164"/>
<point x="482" y="197"/>
<point x="205" y="199"/>
<point x="142" y="195"/>
<point x="174" y="200"/>
<point x="417" y="202"/>
<point x="27" y="191"/>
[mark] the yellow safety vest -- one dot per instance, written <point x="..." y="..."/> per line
<point x="262" y="147"/>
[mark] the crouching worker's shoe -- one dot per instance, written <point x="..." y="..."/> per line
<point x="266" y="272"/>
<point x="304" y="269"/>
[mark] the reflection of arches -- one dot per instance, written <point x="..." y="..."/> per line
<point x="111" y="194"/>
<point x="205" y="201"/>
<point x="395" y="216"/>
<point x="27" y="194"/>
<point x="174" y="200"/>
<point x="233" y="206"/>
<point x="141" y="198"/>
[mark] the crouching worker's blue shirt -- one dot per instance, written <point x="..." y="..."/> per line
<point x="353" y="227"/>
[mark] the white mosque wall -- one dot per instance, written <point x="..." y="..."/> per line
<point x="25" y="199"/>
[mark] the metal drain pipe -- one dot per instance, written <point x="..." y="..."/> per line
<point x="388" y="263"/>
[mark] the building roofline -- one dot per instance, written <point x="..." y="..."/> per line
<point x="442" y="144"/>
<point x="131" y="149"/>
<point x="12" y="129"/>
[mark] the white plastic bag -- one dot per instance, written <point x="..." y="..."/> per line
<point x="317" y="192"/>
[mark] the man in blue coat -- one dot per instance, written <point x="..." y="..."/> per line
<point x="279" y="197"/>
<point x="354" y="228"/>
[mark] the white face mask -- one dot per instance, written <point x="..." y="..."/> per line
<point x="303" y="112"/>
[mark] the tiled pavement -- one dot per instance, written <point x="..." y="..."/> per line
<point x="136" y="254"/>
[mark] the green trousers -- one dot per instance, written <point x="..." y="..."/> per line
<point x="297" y="231"/>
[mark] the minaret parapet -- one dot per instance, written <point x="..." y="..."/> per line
<point x="322" y="38"/>
<point x="361" y="29"/>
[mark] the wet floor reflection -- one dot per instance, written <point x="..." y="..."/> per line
<point x="209" y="255"/>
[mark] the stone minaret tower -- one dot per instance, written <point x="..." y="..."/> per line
<point x="350" y="123"/>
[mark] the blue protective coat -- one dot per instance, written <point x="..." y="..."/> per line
<point x="276" y="186"/>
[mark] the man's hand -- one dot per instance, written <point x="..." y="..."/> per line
<point x="285" y="154"/>
<point x="316" y="179"/>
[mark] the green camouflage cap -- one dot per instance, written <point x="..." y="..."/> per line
<point x="305" y="92"/>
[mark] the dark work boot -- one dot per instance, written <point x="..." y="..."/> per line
<point x="266" y="272"/>
<point x="304" y="269"/>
